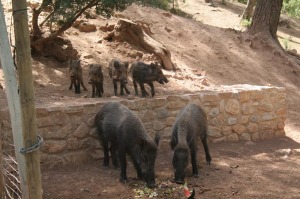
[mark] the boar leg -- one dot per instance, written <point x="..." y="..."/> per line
<point x="135" y="88"/>
<point x="77" y="86"/>
<point x="93" y="90"/>
<point x="115" y="86"/>
<point x="126" y="89"/>
<point x="122" y="160"/>
<point x="98" y="90"/>
<point x="194" y="163"/>
<point x="101" y="88"/>
<point x="204" y="142"/>
<point x="121" y="88"/>
<point x="106" y="155"/>
<point x="113" y="152"/>
<point x="71" y="85"/>
<point x="152" y="88"/>
<point x="143" y="90"/>
<point x="83" y="86"/>
<point x="137" y="168"/>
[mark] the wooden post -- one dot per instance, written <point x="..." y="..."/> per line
<point x="1" y="169"/>
<point x="12" y="95"/>
<point x="21" y="107"/>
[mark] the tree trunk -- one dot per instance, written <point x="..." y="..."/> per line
<point x="35" y="25"/>
<point x="133" y="33"/>
<point x="248" y="12"/>
<point x="266" y="17"/>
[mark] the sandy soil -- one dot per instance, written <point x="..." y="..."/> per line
<point x="212" y="41"/>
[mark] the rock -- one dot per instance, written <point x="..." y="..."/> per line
<point x="283" y="152"/>
<point x="86" y="27"/>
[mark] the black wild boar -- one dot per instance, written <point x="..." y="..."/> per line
<point x="190" y="123"/>
<point x="75" y="72"/>
<point x="146" y="73"/>
<point x="96" y="79"/>
<point x="117" y="125"/>
<point x="118" y="73"/>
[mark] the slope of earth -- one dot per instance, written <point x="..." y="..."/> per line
<point x="210" y="44"/>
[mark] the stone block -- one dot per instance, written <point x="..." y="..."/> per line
<point x="72" y="143"/>
<point x="54" y="146"/>
<point x="44" y="121"/>
<point x="217" y="121"/>
<point x="157" y="102"/>
<point x="161" y="113"/>
<point x="232" y="137"/>
<point x="82" y="130"/>
<point x="248" y="108"/>
<point x="170" y="121"/>
<point x="232" y="106"/>
<point x="90" y="121"/>
<point x="40" y="111"/>
<point x="158" y="125"/>
<point x="214" y="132"/>
<point x="268" y="116"/>
<point x="74" y="158"/>
<point x="244" y="96"/>
<point x="244" y="119"/>
<point x="73" y="109"/>
<point x="232" y="121"/>
<point x="227" y="130"/>
<point x="239" y="128"/>
<point x="245" y="137"/>
<point x="255" y="118"/>
<point x="175" y="104"/>
<point x="256" y="94"/>
<point x="186" y="98"/>
<point x="172" y="98"/>
<point x="267" y="125"/>
<point x="218" y="140"/>
<point x="60" y="117"/>
<point x="255" y="136"/>
<point x="146" y="115"/>
<point x="90" y="143"/>
<point x="214" y="112"/>
<point x="252" y="127"/>
<point x="265" y="105"/>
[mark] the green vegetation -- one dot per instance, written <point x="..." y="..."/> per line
<point x="286" y="43"/>
<point x="245" y="23"/>
<point x="169" y="5"/>
<point x="292" y="8"/>
<point x="243" y="1"/>
<point x="162" y="4"/>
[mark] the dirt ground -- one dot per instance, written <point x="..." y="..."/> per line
<point x="209" y="51"/>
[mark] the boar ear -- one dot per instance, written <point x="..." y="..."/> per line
<point x="116" y="65"/>
<point x="157" y="138"/>
<point x="126" y="64"/>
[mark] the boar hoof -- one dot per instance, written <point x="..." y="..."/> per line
<point x="196" y="175"/>
<point x="179" y="181"/>
<point x="124" y="181"/>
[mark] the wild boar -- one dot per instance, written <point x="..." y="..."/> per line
<point x="190" y="123"/>
<point x="118" y="73"/>
<point x="75" y="73"/>
<point x="146" y="73"/>
<point x="96" y="79"/>
<point x="117" y="125"/>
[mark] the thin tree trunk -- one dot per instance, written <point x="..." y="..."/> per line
<point x="248" y="12"/>
<point x="35" y="25"/>
<point x="266" y="17"/>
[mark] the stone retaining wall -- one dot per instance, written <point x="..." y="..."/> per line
<point x="240" y="112"/>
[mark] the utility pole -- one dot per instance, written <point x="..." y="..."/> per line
<point x="21" y="104"/>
